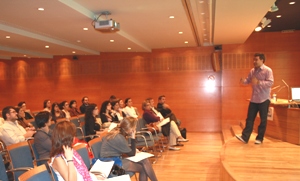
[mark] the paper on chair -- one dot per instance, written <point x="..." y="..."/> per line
<point x="120" y="178"/>
<point x="140" y="156"/>
<point x="163" y="122"/>
<point x="112" y="126"/>
<point x="102" y="167"/>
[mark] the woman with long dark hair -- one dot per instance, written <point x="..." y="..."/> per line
<point x="73" y="108"/>
<point x="91" y="125"/>
<point x="105" y="112"/>
<point x="56" y="112"/>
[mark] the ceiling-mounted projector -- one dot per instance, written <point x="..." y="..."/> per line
<point x="106" y="26"/>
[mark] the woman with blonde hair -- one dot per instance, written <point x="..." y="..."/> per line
<point x="66" y="162"/>
<point x="115" y="143"/>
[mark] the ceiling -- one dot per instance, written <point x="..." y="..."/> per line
<point x="144" y="25"/>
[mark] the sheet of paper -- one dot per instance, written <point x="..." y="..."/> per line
<point x="120" y="178"/>
<point x="163" y="122"/>
<point x="112" y="126"/>
<point x="102" y="167"/>
<point x="140" y="156"/>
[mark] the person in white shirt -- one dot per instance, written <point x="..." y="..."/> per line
<point x="11" y="131"/>
<point x="129" y="110"/>
<point x="64" y="106"/>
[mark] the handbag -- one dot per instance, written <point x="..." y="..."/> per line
<point x="116" y="170"/>
<point x="151" y="127"/>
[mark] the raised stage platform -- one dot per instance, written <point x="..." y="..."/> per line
<point x="270" y="161"/>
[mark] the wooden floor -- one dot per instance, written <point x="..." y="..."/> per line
<point x="198" y="159"/>
<point x="270" y="161"/>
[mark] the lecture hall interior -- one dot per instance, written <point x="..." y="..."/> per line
<point x="194" y="52"/>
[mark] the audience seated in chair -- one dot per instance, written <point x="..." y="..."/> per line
<point x="22" y="120"/>
<point x="11" y="131"/>
<point x="47" y="105"/>
<point x="66" y="162"/>
<point x="64" y="106"/>
<point x="56" y="112"/>
<point x="85" y="103"/>
<point x="28" y="114"/>
<point x="42" y="138"/>
<point x="115" y="144"/>
<point x="91" y="125"/>
<point x="150" y="117"/>
<point x="129" y="110"/>
<point x="105" y="112"/>
<point x="165" y="110"/>
<point x="117" y="113"/>
<point x="73" y="108"/>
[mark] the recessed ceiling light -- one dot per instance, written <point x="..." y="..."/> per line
<point x="129" y="48"/>
<point x="78" y="41"/>
<point x="171" y="17"/>
<point x="202" y="13"/>
<point x="269" y="26"/>
<point x="73" y="52"/>
<point x="7" y="36"/>
<point x="41" y="9"/>
<point x="85" y="29"/>
<point x="201" y="1"/>
<point x="180" y="32"/>
<point x="278" y="16"/>
<point x="46" y="46"/>
<point x="292" y="2"/>
<point x="258" y="28"/>
<point x="25" y="55"/>
<point x="186" y="42"/>
<point x="112" y="40"/>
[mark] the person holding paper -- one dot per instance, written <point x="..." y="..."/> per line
<point x="174" y="133"/>
<point x="66" y="162"/>
<point x="115" y="143"/>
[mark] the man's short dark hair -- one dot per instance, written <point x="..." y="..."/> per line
<point x="6" y="110"/>
<point x="83" y="98"/>
<point x="160" y="97"/>
<point x="42" y="118"/>
<point x="261" y="56"/>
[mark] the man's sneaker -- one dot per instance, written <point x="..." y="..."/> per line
<point x="258" y="142"/>
<point x="182" y="140"/>
<point x="173" y="148"/>
<point x="240" y="138"/>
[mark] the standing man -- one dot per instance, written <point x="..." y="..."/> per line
<point x="11" y="131"/>
<point x="85" y="103"/>
<point x="261" y="79"/>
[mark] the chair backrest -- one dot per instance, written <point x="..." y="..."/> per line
<point x="75" y="120"/>
<point x="141" y="123"/>
<point x="95" y="145"/>
<point x="54" y="176"/>
<point x="81" y="117"/>
<point x="36" y="174"/>
<point x="3" y="175"/>
<point x="35" y="154"/>
<point x="20" y="156"/>
<point x="83" y="152"/>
